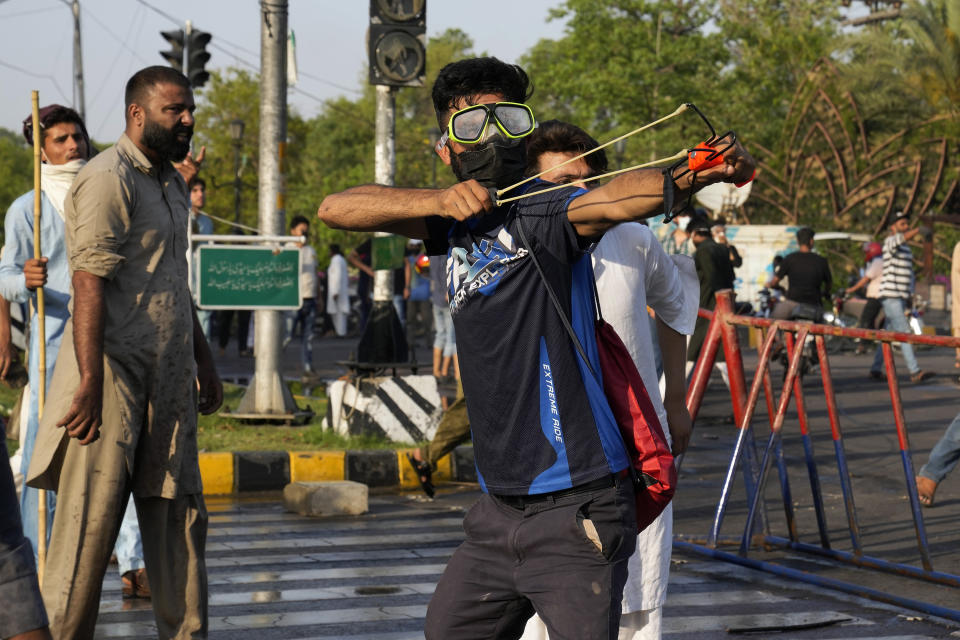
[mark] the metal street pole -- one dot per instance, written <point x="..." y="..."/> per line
<point x="270" y="395"/>
<point x="384" y="168"/>
<point x="384" y="340"/>
<point x="78" y="97"/>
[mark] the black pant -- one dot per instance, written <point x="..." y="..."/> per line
<point x="224" y="320"/>
<point x="22" y="608"/>
<point x="563" y="557"/>
<point x="868" y="317"/>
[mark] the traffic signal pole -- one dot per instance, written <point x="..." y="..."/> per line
<point x="267" y="395"/>
<point x="384" y="168"/>
<point x="395" y="42"/>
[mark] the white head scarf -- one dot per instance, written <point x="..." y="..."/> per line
<point x="55" y="181"/>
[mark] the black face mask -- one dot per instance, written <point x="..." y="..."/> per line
<point x="495" y="164"/>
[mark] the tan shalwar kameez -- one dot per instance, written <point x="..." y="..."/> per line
<point x="955" y="292"/>
<point x="126" y="221"/>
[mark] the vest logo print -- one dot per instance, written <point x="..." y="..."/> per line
<point x="480" y="270"/>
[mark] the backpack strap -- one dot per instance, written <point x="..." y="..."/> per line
<point x="554" y="298"/>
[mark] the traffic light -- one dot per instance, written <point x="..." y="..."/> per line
<point x="197" y="57"/>
<point x="396" y="42"/>
<point x="174" y="56"/>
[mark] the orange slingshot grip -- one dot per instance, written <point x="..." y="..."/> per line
<point x="700" y="157"/>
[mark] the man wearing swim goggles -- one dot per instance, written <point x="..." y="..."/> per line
<point x="492" y="134"/>
<point x="556" y="523"/>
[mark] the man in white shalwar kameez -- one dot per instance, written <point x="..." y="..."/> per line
<point x="338" y="294"/>
<point x="633" y="272"/>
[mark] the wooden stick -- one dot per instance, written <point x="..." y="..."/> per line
<point x="41" y="332"/>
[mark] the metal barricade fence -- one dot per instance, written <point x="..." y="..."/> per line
<point x="722" y="332"/>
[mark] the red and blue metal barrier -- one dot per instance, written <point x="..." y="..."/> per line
<point x="722" y="332"/>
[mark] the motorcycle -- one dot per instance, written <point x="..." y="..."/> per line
<point x="851" y="309"/>
<point x="810" y="357"/>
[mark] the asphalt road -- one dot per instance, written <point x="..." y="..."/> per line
<point x="276" y="575"/>
<point x="880" y="496"/>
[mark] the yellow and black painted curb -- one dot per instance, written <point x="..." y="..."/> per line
<point x="242" y="471"/>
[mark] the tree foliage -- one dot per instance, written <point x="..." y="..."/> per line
<point x="16" y="167"/>
<point x="624" y="63"/>
<point x="233" y="94"/>
<point x="773" y="45"/>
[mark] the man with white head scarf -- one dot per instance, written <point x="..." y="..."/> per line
<point x="64" y="148"/>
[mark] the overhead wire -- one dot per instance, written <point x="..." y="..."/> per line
<point x="30" y="12"/>
<point x="103" y="26"/>
<point x="161" y="12"/>
<point x="215" y="44"/>
<point x="140" y="13"/>
<point x="33" y="74"/>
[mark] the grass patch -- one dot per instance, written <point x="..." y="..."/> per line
<point x="218" y="433"/>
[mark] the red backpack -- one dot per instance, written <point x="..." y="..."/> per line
<point x="655" y="476"/>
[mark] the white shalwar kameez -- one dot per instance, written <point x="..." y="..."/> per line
<point x="633" y="272"/>
<point x="338" y="295"/>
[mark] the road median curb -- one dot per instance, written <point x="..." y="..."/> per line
<point x="228" y="473"/>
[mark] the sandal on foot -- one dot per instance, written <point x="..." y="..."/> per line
<point x="135" y="584"/>
<point x="925" y="490"/>
<point x="424" y="474"/>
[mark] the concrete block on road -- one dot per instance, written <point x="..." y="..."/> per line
<point x="341" y="497"/>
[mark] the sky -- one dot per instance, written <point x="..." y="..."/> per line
<point x="121" y="36"/>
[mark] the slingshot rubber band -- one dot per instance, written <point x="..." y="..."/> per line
<point x="649" y="125"/>
<point x="673" y="158"/>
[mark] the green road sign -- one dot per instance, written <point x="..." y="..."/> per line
<point x="235" y="277"/>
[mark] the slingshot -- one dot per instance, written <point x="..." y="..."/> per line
<point x="705" y="155"/>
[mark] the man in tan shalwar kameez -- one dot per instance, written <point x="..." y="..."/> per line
<point x="955" y="297"/>
<point x="122" y="410"/>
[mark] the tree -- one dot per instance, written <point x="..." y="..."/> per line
<point x="230" y="94"/>
<point x="624" y="63"/>
<point x="774" y="44"/>
<point x="16" y="167"/>
<point x="932" y="27"/>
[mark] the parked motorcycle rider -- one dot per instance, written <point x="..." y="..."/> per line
<point x="809" y="277"/>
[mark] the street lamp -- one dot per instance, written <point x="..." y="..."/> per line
<point x="236" y="135"/>
<point x="434" y="139"/>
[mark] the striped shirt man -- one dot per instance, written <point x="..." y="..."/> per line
<point x="897" y="281"/>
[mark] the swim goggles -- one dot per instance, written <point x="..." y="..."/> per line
<point x="467" y="126"/>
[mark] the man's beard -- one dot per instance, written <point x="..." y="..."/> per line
<point x="164" y="142"/>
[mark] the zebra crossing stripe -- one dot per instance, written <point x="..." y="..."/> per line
<point x="311" y="527"/>
<point x="331" y="556"/>
<point x="332" y="541"/>
<point x="277" y="620"/>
